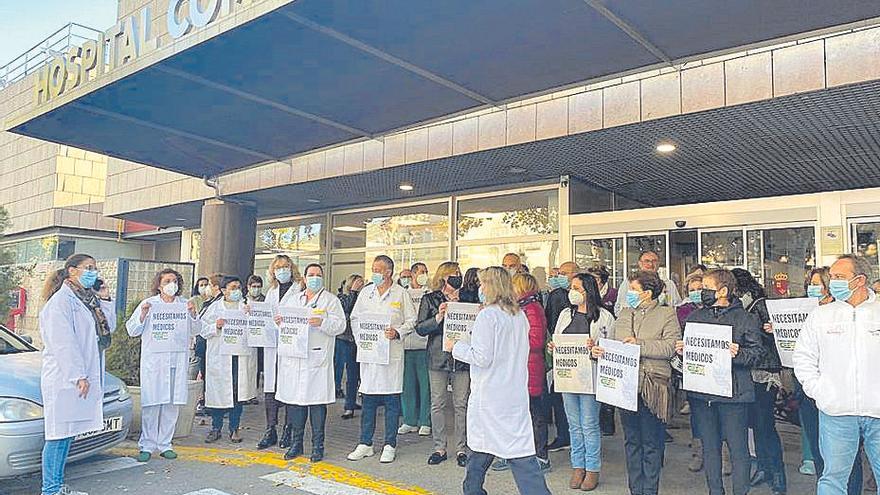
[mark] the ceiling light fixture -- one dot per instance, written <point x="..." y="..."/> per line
<point x="516" y="170"/>
<point x="665" y="148"/>
<point x="405" y="186"/>
<point x="312" y="200"/>
<point x="180" y="220"/>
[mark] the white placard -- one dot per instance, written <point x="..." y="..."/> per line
<point x="788" y="317"/>
<point x="458" y="323"/>
<point x="169" y="327"/>
<point x="706" y="362"/>
<point x="262" y="331"/>
<point x="293" y="333"/>
<point x="617" y="377"/>
<point x="369" y="334"/>
<point x="572" y="366"/>
<point x="234" y="333"/>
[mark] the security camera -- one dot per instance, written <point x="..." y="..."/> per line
<point x="563" y="181"/>
<point x="680" y="223"/>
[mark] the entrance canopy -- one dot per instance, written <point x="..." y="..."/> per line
<point x="314" y="73"/>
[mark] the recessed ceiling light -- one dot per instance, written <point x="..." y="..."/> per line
<point x="516" y="170"/>
<point x="665" y="148"/>
<point x="405" y="186"/>
<point x="312" y="200"/>
<point x="179" y="219"/>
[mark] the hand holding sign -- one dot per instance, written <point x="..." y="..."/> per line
<point x="458" y="323"/>
<point x="168" y="329"/>
<point x="787" y="317"/>
<point x="707" y="352"/>
<point x="373" y="345"/>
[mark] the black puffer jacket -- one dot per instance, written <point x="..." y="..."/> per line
<point x="438" y="359"/>
<point x="556" y="302"/>
<point x="771" y="361"/>
<point x="747" y="333"/>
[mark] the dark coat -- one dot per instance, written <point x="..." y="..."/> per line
<point x="771" y="361"/>
<point x="427" y="325"/>
<point x="556" y="302"/>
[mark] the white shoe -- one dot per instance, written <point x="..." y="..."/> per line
<point x="388" y="454"/>
<point x="66" y="490"/>
<point x="360" y="452"/>
<point x="405" y="428"/>
<point x="425" y="431"/>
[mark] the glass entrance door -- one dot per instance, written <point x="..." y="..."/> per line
<point x="620" y="253"/>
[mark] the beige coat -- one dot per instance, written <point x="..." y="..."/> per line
<point x="656" y="330"/>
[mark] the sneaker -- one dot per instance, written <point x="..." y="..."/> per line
<point x="388" y="454"/>
<point x="405" y="428"/>
<point x="143" y="456"/>
<point x="500" y="465"/>
<point x="347" y="414"/>
<point x="66" y="490"/>
<point x="437" y="458"/>
<point x="461" y="459"/>
<point x="544" y="464"/>
<point x="213" y="436"/>
<point x="808" y="468"/>
<point x="168" y="454"/>
<point x="360" y="452"/>
<point x="425" y="431"/>
<point x="557" y="445"/>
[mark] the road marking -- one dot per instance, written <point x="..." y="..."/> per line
<point x="207" y="491"/>
<point x="314" y="485"/>
<point x="87" y="469"/>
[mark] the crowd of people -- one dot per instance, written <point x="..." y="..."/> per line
<point x="504" y="406"/>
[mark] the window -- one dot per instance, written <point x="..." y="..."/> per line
<point x="722" y="249"/>
<point x="786" y="256"/>
<point x="539" y="256"/>
<point x="866" y="240"/>
<point x="512" y="215"/>
<point x="607" y="252"/>
<point x="304" y="240"/>
<point x="638" y="244"/>
<point x="393" y="227"/>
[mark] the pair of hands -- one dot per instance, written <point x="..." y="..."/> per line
<point x="145" y="310"/>
<point x="679" y="348"/>
<point x="313" y="322"/>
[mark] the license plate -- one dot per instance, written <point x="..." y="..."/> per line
<point x="110" y="424"/>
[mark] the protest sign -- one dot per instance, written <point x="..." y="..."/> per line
<point x="372" y="345"/>
<point x="787" y="317"/>
<point x="572" y="366"/>
<point x="169" y="327"/>
<point x="261" y="327"/>
<point x="293" y="332"/>
<point x="458" y="323"/>
<point x="617" y="381"/>
<point x="706" y="360"/>
<point x="234" y="333"/>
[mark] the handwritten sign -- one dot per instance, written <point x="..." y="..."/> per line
<point x="169" y="327"/>
<point x="707" y="365"/>
<point x="372" y="344"/>
<point x="787" y="317"/>
<point x="617" y="381"/>
<point x="458" y="323"/>
<point x="572" y="366"/>
<point x="234" y="333"/>
<point x="261" y="327"/>
<point x="293" y="333"/>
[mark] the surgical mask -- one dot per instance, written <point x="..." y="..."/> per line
<point x="282" y="275"/>
<point x="481" y="296"/>
<point x="170" y="289"/>
<point x="204" y="290"/>
<point x="633" y="299"/>
<point x="255" y="291"/>
<point x="696" y="296"/>
<point x="708" y="297"/>
<point x="88" y="278"/>
<point x="815" y="291"/>
<point x="235" y="295"/>
<point x="840" y="289"/>
<point x="512" y="271"/>
<point x="454" y="281"/>
<point x="422" y="279"/>
<point x="559" y="282"/>
<point x="575" y="298"/>
<point x="314" y="283"/>
<point x="377" y="278"/>
<point x="404" y="282"/>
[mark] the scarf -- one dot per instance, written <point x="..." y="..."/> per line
<point x="535" y="297"/>
<point x="90" y="299"/>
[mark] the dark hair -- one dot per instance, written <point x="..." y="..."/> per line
<point x="195" y="290"/>
<point x="471" y="281"/>
<point x="418" y="264"/>
<point x="593" y="299"/>
<point x="860" y="264"/>
<point x="310" y="265"/>
<point x="649" y="281"/>
<point x="228" y="279"/>
<point x="599" y="271"/>
<point x="744" y="283"/>
<point x="99" y="282"/>
<point x="157" y="279"/>
<point x="255" y="278"/>
<point x="57" y="278"/>
<point x="524" y="268"/>
<point x="386" y="260"/>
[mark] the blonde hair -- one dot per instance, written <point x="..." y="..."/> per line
<point x="524" y="283"/>
<point x="498" y="289"/>
<point x="445" y="269"/>
<point x="295" y="277"/>
<point x="349" y="282"/>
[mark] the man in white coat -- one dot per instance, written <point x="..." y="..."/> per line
<point x="165" y="333"/>
<point x="836" y="360"/>
<point x="306" y="384"/>
<point x="382" y="384"/>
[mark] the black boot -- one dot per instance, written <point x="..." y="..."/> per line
<point x="317" y="454"/>
<point x="284" y="443"/>
<point x="269" y="439"/>
<point x="294" y="452"/>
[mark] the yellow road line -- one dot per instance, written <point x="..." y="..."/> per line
<point x="323" y="470"/>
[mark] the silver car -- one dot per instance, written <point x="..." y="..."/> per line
<point x="21" y="411"/>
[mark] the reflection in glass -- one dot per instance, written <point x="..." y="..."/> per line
<point x="608" y="252"/>
<point x="513" y="215"/>
<point x="866" y="240"/>
<point x="301" y="236"/>
<point x="539" y="256"/>
<point x="722" y="249"/>
<point x="393" y="227"/>
<point x="787" y="256"/>
<point x="638" y="244"/>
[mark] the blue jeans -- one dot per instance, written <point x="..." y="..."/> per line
<point x="368" y="417"/>
<point x="839" y="438"/>
<point x="345" y="359"/>
<point x="526" y="473"/>
<point x="317" y="416"/>
<point x="54" y="459"/>
<point x="234" y="417"/>
<point x="582" y="411"/>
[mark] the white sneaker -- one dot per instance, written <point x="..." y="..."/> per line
<point x="360" y="452"/>
<point x="405" y="428"/>
<point x="66" y="490"/>
<point x="425" y="431"/>
<point x="388" y="454"/>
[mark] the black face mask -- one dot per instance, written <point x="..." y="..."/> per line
<point x="454" y="281"/>
<point x="708" y="296"/>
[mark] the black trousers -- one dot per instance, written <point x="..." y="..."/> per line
<point x="767" y="443"/>
<point x="730" y="421"/>
<point x="538" y="410"/>
<point x="272" y="407"/>
<point x="644" y="443"/>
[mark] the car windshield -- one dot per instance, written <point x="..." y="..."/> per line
<point x="10" y="344"/>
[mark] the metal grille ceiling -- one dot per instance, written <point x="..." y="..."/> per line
<point x="315" y="73"/>
<point x="819" y="141"/>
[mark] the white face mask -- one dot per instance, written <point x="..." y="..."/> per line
<point x="204" y="290"/>
<point x="575" y="297"/>
<point x="170" y="289"/>
<point x="422" y="279"/>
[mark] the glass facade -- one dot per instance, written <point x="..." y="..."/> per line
<point x="604" y="251"/>
<point x="304" y="240"/>
<point x="866" y="241"/>
<point x="722" y="249"/>
<point x="787" y="255"/>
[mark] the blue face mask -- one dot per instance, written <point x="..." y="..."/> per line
<point x="377" y="278"/>
<point x="314" y="284"/>
<point x="633" y="299"/>
<point x="481" y="296"/>
<point x="815" y="291"/>
<point x="840" y="289"/>
<point x="559" y="282"/>
<point x="696" y="296"/>
<point x="235" y="295"/>
<point x="88" y="277"/>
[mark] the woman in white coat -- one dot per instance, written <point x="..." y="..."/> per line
<point x="75" y="328"/>
<point x="284" y="285"/>
<point x="231" y="380"/>
<point x="498" y="419"/>
<point x="165" y="337"/>
<point x="306" y="385"/>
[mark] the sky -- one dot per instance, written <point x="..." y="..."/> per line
<point x="24" y="23"/>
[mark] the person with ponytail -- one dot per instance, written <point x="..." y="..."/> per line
<point x="75" y="326"/>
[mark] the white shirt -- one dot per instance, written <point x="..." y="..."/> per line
<point x="837" y="358"/>
<point x="379" y="379"/>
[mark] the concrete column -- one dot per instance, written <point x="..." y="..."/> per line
<point x="228" y="240"/>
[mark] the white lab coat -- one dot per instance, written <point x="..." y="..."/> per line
<point x="218" y="382"/>
<point x="70" y="353"/>
<point x="155" y="366"/>
<point x="309" y="381"/>
<point x="270" y="354"/>
<point x="836" y="358"/>
<point x="380" y="379"/>
<point x="498" y="419"/>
